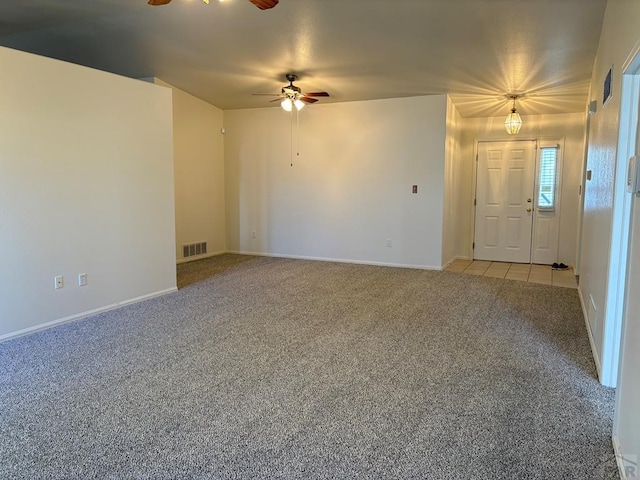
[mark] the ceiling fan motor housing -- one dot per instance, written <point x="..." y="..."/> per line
<point x="294" y="93"/>
<point x="289" y="89"/>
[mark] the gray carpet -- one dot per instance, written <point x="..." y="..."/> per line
<point x="276" y="368"/>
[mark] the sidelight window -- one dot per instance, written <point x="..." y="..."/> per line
<point x="547" y="179"/>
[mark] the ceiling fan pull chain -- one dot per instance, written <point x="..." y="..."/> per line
<point x="291" y="139"/>
<point x="297" y="132"/>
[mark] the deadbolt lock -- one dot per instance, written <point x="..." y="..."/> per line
<point x="528" y="200"/>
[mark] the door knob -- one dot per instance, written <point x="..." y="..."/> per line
<point x="528" y="209"/>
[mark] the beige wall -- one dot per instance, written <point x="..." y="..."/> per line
<point x="453" y="223"/>
<point x="86" y="186"/>
<point x="571" y="127"/>
<point x="350" y="188"/>
<point x="199" y="173"/>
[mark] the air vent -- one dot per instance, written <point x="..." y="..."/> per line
<point x="194" y="249"/>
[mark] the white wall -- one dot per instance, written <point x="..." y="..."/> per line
<point x="199" y="173"/>
<point x="627" y="421"/>
<point x="350" y="188"/>
<point x="86" y="186"/>
<point x="453" y="224"/>
<point x="620" y="37"/>
<point x="571" y="126"/>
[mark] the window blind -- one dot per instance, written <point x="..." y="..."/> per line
<point x="547" y="180"/>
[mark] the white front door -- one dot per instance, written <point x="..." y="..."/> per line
<point x="504" y="201"/>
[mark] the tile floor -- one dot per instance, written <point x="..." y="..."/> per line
<point x="516" y="271"/>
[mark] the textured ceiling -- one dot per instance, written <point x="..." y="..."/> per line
<point x="475" y="50"/>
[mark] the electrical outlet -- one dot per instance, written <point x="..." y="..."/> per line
<point x="389" y="243"/>
<point x="253" y="234"/>
<point x="58" y="282"/>
<point x="82" y="279"/>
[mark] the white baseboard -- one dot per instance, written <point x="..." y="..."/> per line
<point x="619" y="459"/>
<point x="88" y="313"/>
<point x="594" y="351"/>
<point x="446" y="264"/>
<point x="200" y="257"/>
<point x="457" y="257"/>
<point x="336" y="260"/>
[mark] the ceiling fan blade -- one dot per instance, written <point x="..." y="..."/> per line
<point x="306" y="99"/>
<point x="316" y="94"/>
<point x="264" y="4"/>
<point x="276" y="100"/>
<point x="164" y="2"/>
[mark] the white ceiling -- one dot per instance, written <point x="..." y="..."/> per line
<point x="475" y="50"/>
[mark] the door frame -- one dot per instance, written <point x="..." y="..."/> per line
<point x="583" y="183"/>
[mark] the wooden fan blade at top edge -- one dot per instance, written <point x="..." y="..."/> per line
<point x="306" y="99"/>
<point x="276" y="100"/>
<point x="316" y="94"/>
<point x="264" y="4"/>
<point x="158" y="2"/>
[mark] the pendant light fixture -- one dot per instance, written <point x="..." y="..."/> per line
<point x="513" y="121"/>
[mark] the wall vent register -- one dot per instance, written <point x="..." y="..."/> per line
<point x="194" y="249"/>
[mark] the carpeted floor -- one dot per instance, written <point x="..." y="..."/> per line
<point x="275" y="368"/>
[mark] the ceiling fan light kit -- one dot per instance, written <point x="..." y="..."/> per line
<point x="287" y="104"/>
<point x="513" y="122"/>
<point x="292" y="95"/>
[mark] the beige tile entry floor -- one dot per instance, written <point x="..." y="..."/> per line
<point x="516" y="271"/>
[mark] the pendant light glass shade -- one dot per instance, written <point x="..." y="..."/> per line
<point x="287" y="104"/>
<point x="513" y="121"/>
<point x="299" y="104"/>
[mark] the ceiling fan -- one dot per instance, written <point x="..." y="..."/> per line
<point x="292" y="95"/>
<point x="261" y="4"/>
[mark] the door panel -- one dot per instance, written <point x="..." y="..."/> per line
<point x="491" y="231"/>
<point x="543" y="234"/>
<point x="514" y="227"/>
<point x="504" y="189"/>
<point x="515" y="186"/>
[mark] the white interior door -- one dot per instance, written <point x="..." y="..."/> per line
<point x="504" y="201"/>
